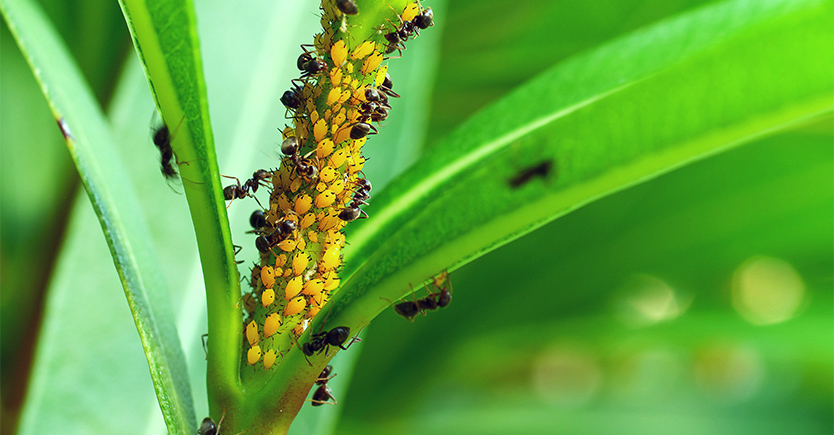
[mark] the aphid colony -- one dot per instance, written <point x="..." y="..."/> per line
<point x="343" y="89"/>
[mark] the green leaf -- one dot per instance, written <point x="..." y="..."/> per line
<point x="563" y="286"/>
<point x="640" y="106"/>
<point x="90" y="144"/>
<point x="165" y="36"/>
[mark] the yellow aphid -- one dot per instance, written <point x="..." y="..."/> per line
<point x="279" y="271"/>
<point x="295" y="306"/>
<point x="333" y="96"/>
<point x="335" y="76"/>
<point x="307" y="220"/>
<point x="301" y="244"/>
<point x="313" y="236"/>
<point x="321" y="187"/>
<point x="319" y="130"/>
<point x="284" y="202"/>
<point x="269" y="359"/>
<point x="328" y="174"/>
<point x="356" y="145"/>
<point x="287" y="272"/>
<point x="380" y="75"/>
<point x="410" y="12"/>
<point x="299" y="329"/>
<point x="371" y="63"/>
<point x="355" y="165"/>
<point x="334" y="238"/>
<point x="291" y="217"/>
<point x="268" y="297"/>
<point x="303" y="204"/>
<point x="311" y="107"/>
<point x="362" y="50"/>
<point x="325" y="199"/>
<point x="271" y="324"/>
<point x="287" y="245"/>
<point x="295" y="185"/>
<point x="332" y="282"/>
<point x="312" y="311"/>
<point x="359" y="94"/>
<point x="344" y="96"/>
<point x="339" y="52"/>
<point x="288" y="132"/>
<point x="327" y="223"/>
<point x="337" y="187"/>
<point x="339" y="119"/>
<point x="324" y="148"/>
<point x="252" y="333"/>
<point x="327" y="114"/>
<point x="268" y="276"/>
<point x="280" y="261"/>
<point x="338" y="158"/>
<point x="254" y="355"/>
<point x="313" y="287"/>
<point x="342" y="135"/>
<point x="314" y="116"/>
<point x="349" y="68"/>
<point x="299" y="263"/>
<point x="294" y="287"/>
<point x="331" y="257"/>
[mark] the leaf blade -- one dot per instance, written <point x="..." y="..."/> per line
<point x="91" y="146"/>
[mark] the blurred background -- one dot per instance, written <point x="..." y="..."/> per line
<point x="699" y="302"/>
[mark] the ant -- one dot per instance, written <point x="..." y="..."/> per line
<point x="398" y="37"/>
<point x="323" y="340"/>
<point x="433" y="301"/>
<point x="238" y="191"/>
<point x="290" y="149"/>
<point x="348" y="7"/>
<point x="323" y="394"/>
<point x="309" y="64"/>
<point x="264" y="242"/>
<point x="362" y="194"/>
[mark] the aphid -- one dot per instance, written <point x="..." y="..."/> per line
<point x="541" y="170"/>
<point x="348" y="7"/>
<point x="323" y="340"/>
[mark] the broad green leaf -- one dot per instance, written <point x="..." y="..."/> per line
<point x="90" y="144"/>
<point x="506" y="45"/>
<point x="693" y="229"/>
<point x="640" y="106"/>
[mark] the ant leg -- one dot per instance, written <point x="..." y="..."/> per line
<point x="302" y="350"/>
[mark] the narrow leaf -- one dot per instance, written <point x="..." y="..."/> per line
<point x="91" y="147"/>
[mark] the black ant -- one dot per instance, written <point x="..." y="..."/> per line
<point x="207" y="427"/>
<point x="348" y="7"/>
<point x="309" y="64"/>
<point x="441" y="299"/>
<point x="162" y="140"/>
<point x="397" y="38"/>
<point x="240" y="191"/>
<point x="290" y="149"/>
<point x="362" y="194"/>
<point x="257" y="219"/>
<point x="323" y="394"/>
<point x="323" y="340"/>
<point x="264" y="242"/>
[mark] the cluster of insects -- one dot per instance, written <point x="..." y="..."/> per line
<point x="338" y="100"/>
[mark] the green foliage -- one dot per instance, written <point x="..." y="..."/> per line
<point x="613" y="95"/>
